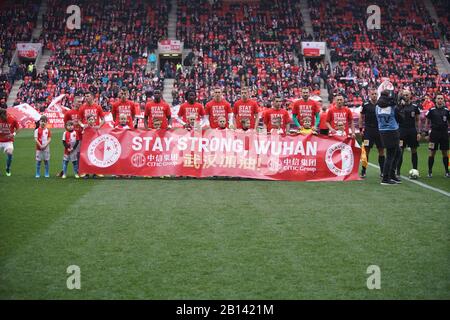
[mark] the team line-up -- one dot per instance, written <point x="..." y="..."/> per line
<point x="388" y="123"/>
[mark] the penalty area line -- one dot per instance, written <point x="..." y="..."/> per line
<point x="423" y="185"/>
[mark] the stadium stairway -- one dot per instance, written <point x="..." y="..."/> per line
<point x="43" y="60"/>
<point x="431" y="10"/>
<point x="172" y="26"/>
<point x="304" y="8"/>
<point x="38" y="30"/>
<point x="442" y="64"/>
<point x="13" y="94"/>
<point x="167" y="92"/>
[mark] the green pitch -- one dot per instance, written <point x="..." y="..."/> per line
<point x="219" y="239"/>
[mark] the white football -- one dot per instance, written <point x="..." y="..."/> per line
<point x="414" y="174"/>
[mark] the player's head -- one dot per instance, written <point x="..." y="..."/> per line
<point x="222" y="122"/>
<point x="90" y="120"/>
<point x="3" y="114"/>
<point x="373" y="94"/>
<point x="245" y="93"/>
<point x="89" y="96"/>
<point x="440" y="101"/>
<point x="43" y="121"/>
<point x="305" y="93"/>
<point x="156" y="123"/>
<point x="123" y="119"/>
<point x="245" y="123"/>
<point x="217" y="93"/>
<point x="307" y="122"/>
<point x="123" y="94"/>
<point x="406" y="94"/>
<point x="191" y="96"/>
<point x="277" y="102"/>
<point x="77" y="101"/>
<point x="157" y="95"/>
<point x="339" y="101"/>
<point x="69" y="126"/>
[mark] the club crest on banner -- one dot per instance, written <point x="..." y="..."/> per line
<point x="339" y="159"/>
<point x="104" y="151"/>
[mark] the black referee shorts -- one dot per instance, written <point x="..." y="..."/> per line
<point x="408" y="138"/>
<point x="371" y="137"/>
<point x="438" y="139"/>
<point x="390" y="138"/>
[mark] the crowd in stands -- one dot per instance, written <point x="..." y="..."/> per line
<point x="108" y="52"/>
<point x="17" y="20"/>
<point x="252" y="44"/>
<point x="398" y="51"/>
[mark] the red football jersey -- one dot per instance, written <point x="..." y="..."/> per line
<point x="215" y="110"/>
<point x="336" y="115"/>
<point x="245" y="110"/>
<point x="272" y="116"/>
<point x="187" y="110"/>
<point x="7" y="129"/>
<point x="42" y="135"/>
<point x="73" y="115"/>
<point x="70" y="138"/>
<point x="323" y="120"/>
<point x="157" y="110"/>
<point x="128" y="107"/>
<point x="302" y="109"/>
<point x="94" y="109"/>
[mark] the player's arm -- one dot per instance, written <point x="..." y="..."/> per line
<point x="316" y="125"/>
<point x="37" y="140"/>
<point x="352" y="125"/>
<point x="101" y="115"/>
<point x="146" y="114"/>
<point x="328" y="123"/>
<point x="181" y="113"/>
<point x="417" y="119"/>
<point x="360" y="122"/>
<point x="113" y="112"/>
<point x="297" y="123"/>
<point x="169" y="117"/>
<point x="231" y="124"/>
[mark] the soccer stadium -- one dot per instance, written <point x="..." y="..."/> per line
<point x="224" y="149"/>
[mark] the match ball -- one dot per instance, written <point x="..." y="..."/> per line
<point x="414" y="174"/>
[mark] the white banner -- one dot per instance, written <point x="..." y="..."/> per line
<point x="28" y="50"/>
<point x="313" y="49"/>
<point x="170" y="46"/>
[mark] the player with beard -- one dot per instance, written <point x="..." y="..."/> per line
<point x="306" y="107"/>
<point x="438" y="117"/>
<point x="157" y="109"/>
<point x="408" y="114"/>
<point x="191" y="108"/>
<point x="368" y="126"/>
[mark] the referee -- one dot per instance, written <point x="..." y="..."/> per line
<point x="409" y="121"/>
<point x="369" y="131"/>
<point x="389" y="134"/>
<point x="439" y="117"/>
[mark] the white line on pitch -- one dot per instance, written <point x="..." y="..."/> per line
<point x="418" y="183"/>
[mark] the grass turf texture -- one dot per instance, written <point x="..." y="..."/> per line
<point x="206" y="239"/>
